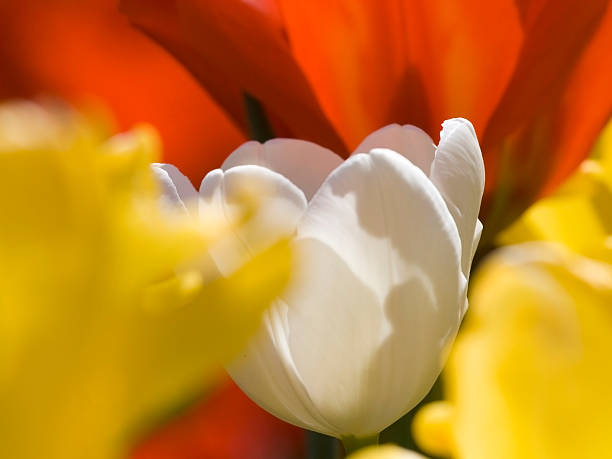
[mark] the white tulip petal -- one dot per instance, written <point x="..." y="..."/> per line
<point x="376" y="297"/>
<point x="179" y="187"/>
<point x="306" y="164"/>
<point x="383" y="254"/>
<point x="458" y="172"/>
<point x="266" y="373"/>
<point x="279" y="206"/>
<point x="409" y="141"/>
<point x="177" y="192"/>
<point x="476" y="240"/>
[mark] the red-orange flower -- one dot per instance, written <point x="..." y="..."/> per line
<point x="86" y="51"/>
<point x="532" y="75"/>
<point x="226" y="425"/>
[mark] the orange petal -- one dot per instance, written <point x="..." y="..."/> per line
<point x="162" y="23"/>
<point x="529" y="10"/>
<point x="233" y="45"/>
<point x="586" y="106"/>
<point x="373" y="63"/>
<point x="554" y="43"/>
<point x="354" y="56"/>
<point x="86" y="51"/>
<point x="524" y="134"/>
<point x="465" y="52"/>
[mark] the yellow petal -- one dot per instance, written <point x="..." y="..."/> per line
<point x="432" y="428"/>
<point x="385" y="452"/>
<point x="579" y="214"/>
<point x="105" y="323"/>
<point x="531" y="373"/>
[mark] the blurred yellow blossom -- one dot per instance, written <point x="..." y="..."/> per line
<point x="579" y="214"/>
<point x="385" y="452"/>
<point x="530" y="374"/>
<point x="109" y="313"/>
<point x="433" y="427"/>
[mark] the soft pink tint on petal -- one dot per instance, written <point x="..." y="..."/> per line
<point x="306" y="164"/>
<point x="409" y="141"/>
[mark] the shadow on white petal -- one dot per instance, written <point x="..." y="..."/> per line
<point x="336" y="326"/>
<point x="379" y="217"/>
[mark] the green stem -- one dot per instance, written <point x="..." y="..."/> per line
<point x="352" y="444"/>
<point x="319" y="446"/>
<point x="259" y="126"/>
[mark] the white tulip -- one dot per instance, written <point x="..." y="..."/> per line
<point x="384" y="243"/>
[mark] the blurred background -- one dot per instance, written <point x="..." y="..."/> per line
<point x="86" y="52"/>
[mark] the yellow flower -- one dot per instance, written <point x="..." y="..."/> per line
<point x="530" y="374"/>
<point x="432" y="427"/>
<point x="385" y="452"/>
<point x="109" y="314"/>
<point x="579" y="214"/>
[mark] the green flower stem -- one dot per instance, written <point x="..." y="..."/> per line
<point x="319" y="446"/>
<point x="352" y="444"/>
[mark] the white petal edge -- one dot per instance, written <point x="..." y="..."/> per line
<point x="177" y="192"/>
<point x="306" y="164"/>
<point x="185" y="189"/>
<point x="458" y="172"/>
<point x="279" y="206"/>
<point x="409" y="141"/>
<point x="266" y="373"/>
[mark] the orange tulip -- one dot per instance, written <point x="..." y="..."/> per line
<point x="86" y="51"/>
<point x="532" y="75"/>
